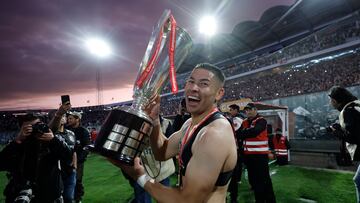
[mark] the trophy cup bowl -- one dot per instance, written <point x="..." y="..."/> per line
<point x="126" y="130"/>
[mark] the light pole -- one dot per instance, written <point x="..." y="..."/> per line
<point x="101" y="50"/>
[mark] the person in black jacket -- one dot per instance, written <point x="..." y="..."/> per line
<point x="236" y="121"/>
<point x="68" y="169"/>
<point x="349" y="128"/>
<point x="82" y="142"/>
<point x="32" y="160"/>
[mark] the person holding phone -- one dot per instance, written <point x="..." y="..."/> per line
<point x="68" y="168"/>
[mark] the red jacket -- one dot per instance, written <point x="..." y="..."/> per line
<point x="257" y="144"/>
<point x="280" y="146"/>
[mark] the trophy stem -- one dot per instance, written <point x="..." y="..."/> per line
<point x="139" y="103"/>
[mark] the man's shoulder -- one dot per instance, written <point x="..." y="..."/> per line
<point x="351" y="112"/>
<point x="214" y="136"/>
<point x="217" y="129"/>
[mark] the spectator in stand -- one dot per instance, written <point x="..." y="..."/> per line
<point x="313" y="78"/>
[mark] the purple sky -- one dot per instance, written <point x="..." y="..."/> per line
<point x="41" y="44"/>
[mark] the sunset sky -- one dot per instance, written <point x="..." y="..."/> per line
<point x="42" y="54"/>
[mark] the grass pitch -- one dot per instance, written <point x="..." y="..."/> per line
<point x="105" y="183"/>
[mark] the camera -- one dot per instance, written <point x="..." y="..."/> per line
<point x="40" y="128"/>
<point x="24" y="196"/>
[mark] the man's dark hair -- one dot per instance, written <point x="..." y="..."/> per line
<point x="214" y="69"/>
<point x="27" y="118"/>
<point x="341" y="95"/>
<point x="234" y="106"/>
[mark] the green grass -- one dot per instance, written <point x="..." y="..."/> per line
<point x="291" y="183"/>
<point x="105" y="183"/>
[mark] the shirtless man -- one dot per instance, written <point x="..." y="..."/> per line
<point x="205" y="144"/>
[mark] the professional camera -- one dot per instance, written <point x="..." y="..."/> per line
<point x="24" y="196"/>
<point x="40" y="128"/>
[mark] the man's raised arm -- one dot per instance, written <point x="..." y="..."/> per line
<point x="162" y="147"/>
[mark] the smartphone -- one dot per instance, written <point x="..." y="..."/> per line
<point x="65" y="99"/>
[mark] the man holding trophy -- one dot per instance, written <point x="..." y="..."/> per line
<point x="205" y="143"/>
<point x="207" y="155"/>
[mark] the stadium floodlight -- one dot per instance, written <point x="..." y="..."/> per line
<point x="98" y="47"/>
<point x="207" y="25"/>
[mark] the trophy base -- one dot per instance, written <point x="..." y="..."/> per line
<point x="124" y="135"/>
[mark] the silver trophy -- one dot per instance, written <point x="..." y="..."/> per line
<point x="126" y="130"/>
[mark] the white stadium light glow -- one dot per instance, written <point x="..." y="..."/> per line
<point x="98" y="47"/>
<point x="207" y="26"/>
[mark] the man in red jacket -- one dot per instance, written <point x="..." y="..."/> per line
<point x="280" y="146"/>
<point x="256" y="149"/>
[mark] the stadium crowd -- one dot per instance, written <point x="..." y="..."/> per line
<point x="316" y="42"/>
<point x="292" y="81"/>
<point x="287" y="81"/>
<point x="327" y="38"/>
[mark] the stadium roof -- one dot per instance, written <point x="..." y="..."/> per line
<point x="276" y="26"/>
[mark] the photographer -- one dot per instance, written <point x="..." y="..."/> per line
<point x="349" y="129"/>
<point x="33" y="162"/>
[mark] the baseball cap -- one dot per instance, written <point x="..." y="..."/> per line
<point x="75" y="114"/>
<point x="249" y="106"/>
